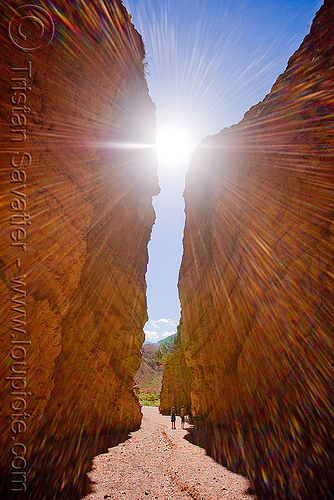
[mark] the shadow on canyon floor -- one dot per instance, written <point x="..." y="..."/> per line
<point x="227" y="449"/>
<point x="59" y="472"/>
<point x="221" y="446"/>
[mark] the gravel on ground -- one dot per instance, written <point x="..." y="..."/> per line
<point x="156" y="462"/>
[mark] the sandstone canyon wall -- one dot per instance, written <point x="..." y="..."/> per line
<point x="177" y="380"/>
<point x="76" y="219"/>
<point x="256" y="280"/>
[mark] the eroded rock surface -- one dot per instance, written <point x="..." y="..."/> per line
<point x="78" y="301"/>
<point x="256" y="281"/>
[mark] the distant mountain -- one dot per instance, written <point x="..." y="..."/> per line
<point x="166" y="341"/>
<point x="149" y="375"/>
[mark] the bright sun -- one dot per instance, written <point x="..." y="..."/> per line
<point x="173" y="146"/>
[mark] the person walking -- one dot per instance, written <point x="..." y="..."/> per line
<point x="173" y="417"/>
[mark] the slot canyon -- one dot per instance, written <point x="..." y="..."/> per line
<point x="254" y="352"/>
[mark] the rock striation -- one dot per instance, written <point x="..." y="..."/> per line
<point x="76" y="219"/>
<point x="256" y="280"/>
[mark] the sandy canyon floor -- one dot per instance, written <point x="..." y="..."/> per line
<point x="156" y="462"/>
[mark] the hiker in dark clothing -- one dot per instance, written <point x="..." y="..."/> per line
<point x="173" y="417"/>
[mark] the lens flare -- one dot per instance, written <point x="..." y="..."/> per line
<point x="174" y="146"/>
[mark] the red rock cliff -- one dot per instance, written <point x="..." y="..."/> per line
<point x="256" y="281"/>
<point x="73" y="276"/>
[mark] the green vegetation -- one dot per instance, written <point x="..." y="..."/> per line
<point x="164" y="347"/>
<point x="149" y="398"/>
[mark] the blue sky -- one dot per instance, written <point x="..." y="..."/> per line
<point x="208" y="62"/>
